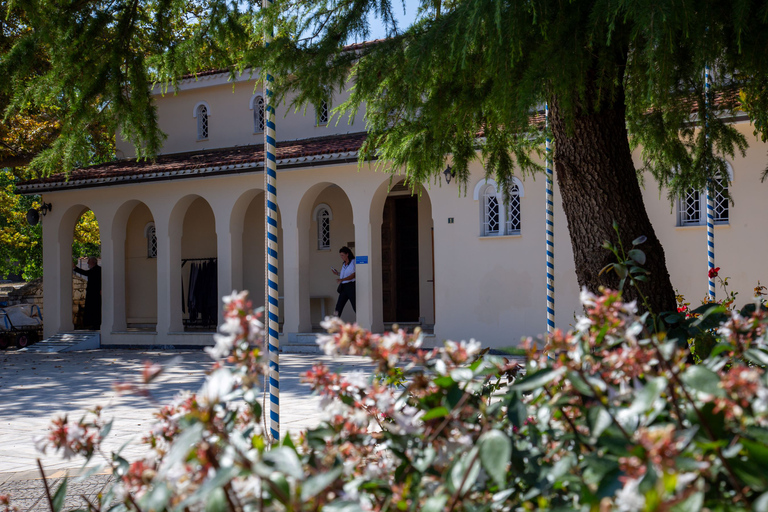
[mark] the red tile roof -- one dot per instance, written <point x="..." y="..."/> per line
<point x="214" y="161"/>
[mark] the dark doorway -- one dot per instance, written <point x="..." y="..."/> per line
<point x="400" y="259"/>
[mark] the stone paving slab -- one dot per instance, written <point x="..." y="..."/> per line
<point x="36" y="387"/>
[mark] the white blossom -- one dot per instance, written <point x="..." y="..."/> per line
<point x="587" y="298"/>
<point x="217" y="386"/>
<point x="629" y="499"/>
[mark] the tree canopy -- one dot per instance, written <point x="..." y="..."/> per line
<point x="468" y="77"/>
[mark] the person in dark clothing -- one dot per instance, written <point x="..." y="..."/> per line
<point x="92" y="311"/>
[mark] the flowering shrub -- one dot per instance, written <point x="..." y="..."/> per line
<point x="609" y="416"/>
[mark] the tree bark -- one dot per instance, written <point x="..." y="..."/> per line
<point x="598" y="185"/>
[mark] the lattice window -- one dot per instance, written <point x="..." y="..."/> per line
<point x="202" y="122"/>
<point x="323" y="229"/>
<point x="690" y="208"/>
<point x="721" y="201"/>
<point x="492" y="215"/>
<point x="258" y="114"/>
<point x="693" y="205"/>
<point x="151" y="235"/>
<point x="322" y="113"/>
<point x="513" y="212"/>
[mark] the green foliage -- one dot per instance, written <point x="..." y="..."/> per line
<point x="610" y="416"/>
<point x="20" y="244"/>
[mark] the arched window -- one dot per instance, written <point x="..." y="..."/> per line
<point x="496" y="217"/>
<point x="692" y="205"/>
<point x="257" y="105"/>
<point x="323" y="216"/>
<point x="151" y="235"/>
<point x="202" y="112"/>
<point x="323" y="113"/>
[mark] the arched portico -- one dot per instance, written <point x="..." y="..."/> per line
<point x="134" y="285"/>
<point x="401" y="255"/>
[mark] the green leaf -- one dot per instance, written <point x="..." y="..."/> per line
<point x="648" y="395"/>
<point x="285" y="460"/>
<point x="693" y="503"/>
<point x="435" y="503"/>
<point x="637" y="255"/>
<point x="538" y="379"/>
<point x="216" y="501"/>
<point x="462" y="374"/>
<point x="106" y="430"/>
<point x="427" y="457"/>
<point x="580" y="384"/>
<point x="600" y="420"/>
<point x="639" y="240"/>
<point x="280" y="488"/>
<point x="757" y="356"/>
<point x="437" y="412"/>
<point x="157" y="499"/>
<point x="464" y="473"/>
<point x="342" y="506"/>
<point x="444" y="381"/>
<point x="702" y="379"/>
<point x="59" y="496"/>
<point x="761" y="503"/>
<point x="495" y="452"/>
<point x="181" y="447"/>
<point x="316" y="484"/>
<point x="516" y="411"/>
<point x="620" y="269"/>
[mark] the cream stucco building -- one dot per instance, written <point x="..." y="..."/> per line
<point x="462" y="265"/>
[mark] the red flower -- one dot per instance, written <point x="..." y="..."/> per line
<point x="682" y="309"/>
<point x="713" y="272"/>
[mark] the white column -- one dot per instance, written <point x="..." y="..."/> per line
<point x="226" y="253"/>
<point x="57" y="267"/>
<point x="295" y="286"/>
<point x="168" y="273"/>
<point x="112" y="272"/>
<point x="364" y="247"/>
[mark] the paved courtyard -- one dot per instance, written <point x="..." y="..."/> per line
<point x="36" y="387"/>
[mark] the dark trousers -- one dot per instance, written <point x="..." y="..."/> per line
<point x="347" y="293"/>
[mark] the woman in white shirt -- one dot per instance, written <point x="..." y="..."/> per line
<point x="346" y="281"/>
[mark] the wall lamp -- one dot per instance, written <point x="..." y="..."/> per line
<point x="33" y="216"/>
<point x="448" y="173"/>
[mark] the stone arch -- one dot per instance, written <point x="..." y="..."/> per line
<point x="317" y="284"/>
<point x="134" y="273"/>
<point x="191" y="236"/>
<point x="393" y="274"/>
<point x="85" y="301"/>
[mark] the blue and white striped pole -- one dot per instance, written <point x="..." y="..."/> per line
<point x="710" y="195"/>
<point x="550" y="228"/>
<point x="272" y="307"/>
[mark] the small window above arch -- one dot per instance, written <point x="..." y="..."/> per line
<point x="496" y="217"/>
<point x="201" y="112"/>
<point x="151" y="235"/>
<point x="259" y="119"/>
<point x="323" y="215"/>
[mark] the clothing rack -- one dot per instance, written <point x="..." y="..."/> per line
<point x="185" y="260"/>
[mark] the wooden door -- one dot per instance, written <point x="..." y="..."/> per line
<point x="400" y="259"/>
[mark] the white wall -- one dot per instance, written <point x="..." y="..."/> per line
<point x="492" y="289"/>
<point x="230" y="120"/>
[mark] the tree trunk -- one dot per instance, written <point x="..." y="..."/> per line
<point x="598" y="185"/>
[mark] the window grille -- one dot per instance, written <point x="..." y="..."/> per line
<point x="492" y="217"/>
<point x="322" y="113"/>
<point x="513" y="211"/>
<point x="151" y="242"/>
<point x="202" y="122"/>
<point x="690" y="208"/>
<point x="721" y="202"/>
<point x="693" y="205"/>
<point x="258" y="115"/>
<point x="323" y="229"/>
